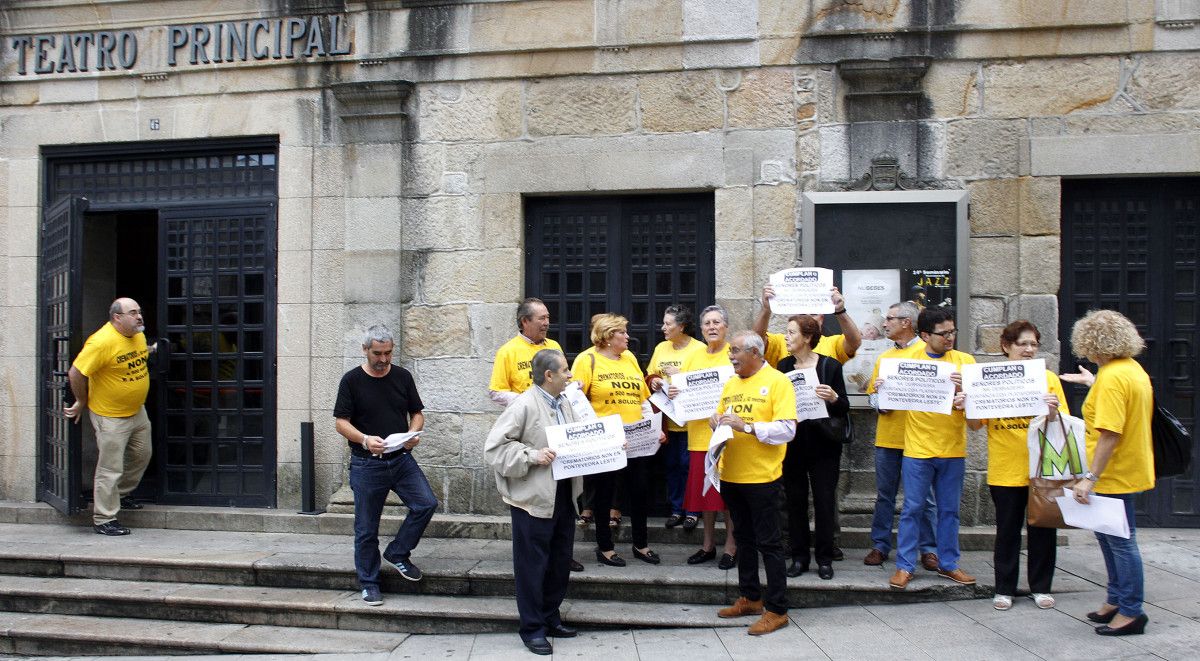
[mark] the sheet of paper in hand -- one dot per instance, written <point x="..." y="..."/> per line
<point x="916" y="385"/>
<point x="808" y="405"/>
<point x="712" y="459"/>
<point x="394" y="441"/>
<point x="802" y="291"/>
<point x="579" y="401"/>
<point x="587" y="447"/>
<point x="1013" y="389"/>
<point x="700" y="392"/>
<point x="666" y="405"/>
<point x="642" y="436"/>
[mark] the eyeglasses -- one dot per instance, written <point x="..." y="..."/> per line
<point x="947" y="333"/>
<point x="893" y="318"/>
<point x="132" y="313"/>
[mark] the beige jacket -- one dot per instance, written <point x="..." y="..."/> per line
<point x="511" y="449"/>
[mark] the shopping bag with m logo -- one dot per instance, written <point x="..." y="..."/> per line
<point x="1057" y="459"/>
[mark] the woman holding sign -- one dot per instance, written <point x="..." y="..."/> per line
<point x="714" y="325"/>
<point x="668" y="356"/>
<point x="1008" y="481"/>
<point x="813" y="458"/>
<point x="615" y="385"/>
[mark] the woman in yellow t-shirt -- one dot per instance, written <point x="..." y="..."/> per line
<point x="1008" y="481"/>
<point x="714" y="325"/>
<point x="615" y="385"/>
<point x="666" y="360"/>
<point x="1117" y="411"/>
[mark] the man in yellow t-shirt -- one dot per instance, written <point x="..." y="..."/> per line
<point x="511" y="374"/>
<point x="110" y="378"/>
<point x="759" y="405"/>
<point x="935" y="450"/>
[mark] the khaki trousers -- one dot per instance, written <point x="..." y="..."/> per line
<point x="124" y="445"/>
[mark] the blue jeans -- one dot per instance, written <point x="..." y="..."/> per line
<point x="1124" y="563"/>
<point x="371" y="479"/>
<point x="675" y="455"/>
<point x="887" y="483"/>
<point x="945" y="475"/>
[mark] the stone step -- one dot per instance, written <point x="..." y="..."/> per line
<point x="42" y="634"/>
<point x="324" y="609"/>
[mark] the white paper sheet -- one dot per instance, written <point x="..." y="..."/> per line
<point x="587" y="447"/>
<point x="712" y="459"/>
<point x="802" y="291"/>
<point x="642" y="436"/>
<point x="700" y="392"/>
<point x="916" y="385"/>
<point x="579" y="401"/>
<point x="808" y="405"/>
<point x="1011" y="389"/>
<point x="1101" y="514"/>
<point x="394" y="441"/>
<point x="666" y="405"/>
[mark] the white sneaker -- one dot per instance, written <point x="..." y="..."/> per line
<point x="1002" y="602"/>
<point x="1042" y="600"/>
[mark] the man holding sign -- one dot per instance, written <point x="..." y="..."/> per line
<point x="935" y="450"/>
<point x="543" y="530"/>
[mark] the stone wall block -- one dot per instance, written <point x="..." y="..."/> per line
<point x="21" y="284"/>
<point x="328" y="323"/>
<point x="1040" y="264"/>
<point x="769" y="257"/>
<point x="1051" y="86"/>
<point x="774" y="212"/>
<point x="328" y="171"/>
<point x="952" y="88"/>
<point x="1041" y="205"/>
<point x="678" y="102"/>
<point x="322" y="387"/>
<point x="373" y="223"/>
<point x="330" y="287"/>
<point x="328" y="223"/>
<point x="294" y="378"/>
<point x="475" y="430"/>
<point x="443" y="222"/>
<point x="436" y="330"/>
<point x="295" y="171"/>
<point x="422" y="168"/>
<point x="735" y="267"/>
<point x="16" y="477"/>
<point x="361" y="316"/>
<point x="808" y="151"/>
<point x="994" y="266"/>
<point x="293" y="335"/>
<point x="487" y="497"/>
<point x="765" y="99"/>
<point x="741" y="311"/>
<point x="734" y="210"/>
<point x="454" y="112"/>
<point x="493" y="324"/>
<point x="295" y="223"/>
<point x="454" y="384"/>
<point x="620" y="22"/>
<point x="1042" y="310"/>
<point x="1167" y="81"/>
<point x="982" y="148"/>
<point x="581" y="106"/>
<point x="295" y="276"/>
<point x="374" y="170"/>
<point x="774" y="153"/>
<point x="18" y="377"/>
<point x="835" y="152"/>
<point x="441" y="441"/>
<point x="525" y="25"/>
<point x="994" y="207"/>
<point x="374" y="277"/>
<point x="454" y="276"/>
<point x="501" y="220"/>
<point x="1126" y="123"/>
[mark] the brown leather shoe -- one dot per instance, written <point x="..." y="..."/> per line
<point x="741" y="607"/>
<point x="875" y="558"/>
<point x="900" y="579"/>
<point x="958" y="576"/>
<point x="929" y="561"/>
<point x="767" y="623"/>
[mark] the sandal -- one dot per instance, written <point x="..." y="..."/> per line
<point x="1002" y="602"/>
<point x="585" y="520"/>
<point x="614" y="522"/>
<point x="1044" y="601"/>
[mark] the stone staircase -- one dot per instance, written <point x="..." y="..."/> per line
<point x="212" y="580"/>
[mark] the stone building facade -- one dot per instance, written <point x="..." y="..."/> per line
<point x="411" y="136"/>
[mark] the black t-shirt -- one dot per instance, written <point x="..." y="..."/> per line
<point x="377" y="406"/>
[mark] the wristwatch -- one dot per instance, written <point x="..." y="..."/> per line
<point x="1089" y="476"/>
<point x="748" y="428"/>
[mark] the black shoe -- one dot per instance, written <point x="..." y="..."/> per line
<point x="111" y="528"/>
<point x="561" y="631"/>
<point x="690" y="522"/>
<point x="1095" y="616"/>
<point x="825" y="572"/>
<point x="727" y="561"/>
<point x="797" y="568"/>
<point x="1135" y="628"/>
<point x="576" y="565"/>
<point x="838" y="556"/>
<point x="649" y="556"/>
<point x="406" y="568"/>
<point x="128" y="503"/>
<point x="674" y="520"/>
<point x="702" y="556"/>
<point x="539" y="646"/>
<point x="614" y="561"/>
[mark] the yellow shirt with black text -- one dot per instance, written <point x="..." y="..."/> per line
<point x="937" y="435"/>
<point x="766" y="396"/>
<point x="512" y="370"/>
<point x="889" y="428"/>
<point x="1008" y="447"/>
<point x="666" y="355"/>
<point x="612" y="386"/>
<point x="118" y="377"/>
<point x="1122" y="401"/>
<point x="699" y="433"/>
<point x="833" y="346"/>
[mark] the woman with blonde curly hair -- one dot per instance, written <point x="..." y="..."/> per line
<point x="1117" y="411"/>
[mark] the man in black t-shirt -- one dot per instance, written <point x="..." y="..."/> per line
<point x="374" y="401"/>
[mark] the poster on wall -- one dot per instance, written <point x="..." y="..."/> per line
<point x="930" y="287"/>
<point x="868" y="294"/>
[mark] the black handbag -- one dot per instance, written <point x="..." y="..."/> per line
<point x="835" y="429"/>
<point x="1172" y="444"/>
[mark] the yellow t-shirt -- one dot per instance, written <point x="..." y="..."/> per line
<point x="889" y="429"/>
<point x="766" y="396"/>
<point x="1008" y="448"/>
<point x="698" y="431"/>
<point x="928" y="435"/>
<point x="666" y="355"/>
<point x="115" y="366"/>
<point x="833" y="346"/>
<point x="1122" y="401"/>
<point x="512" y="369"/>
<point x="613" y="386"/>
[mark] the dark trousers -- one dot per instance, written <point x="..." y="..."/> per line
<point x="371" y="479"/>
<point x="755" y="512"/>
<point x="637" y="476"/>
<point x="1010" y="518"/>
<point x="675" y="458"/>
<point x="542" y="563"/>
<point x="801" y="468"/>
<point x="601" y="486"/>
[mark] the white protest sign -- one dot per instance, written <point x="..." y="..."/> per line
<point x="584" y="448"/>
<point x="808" y="405"/>
<point x="579" y="401"/>
<point x="868" y="294"/>
<point x="802" y="291"/>
<point x="916" y="385"/>
<point x="1013" y="389"/>
<point x="712" y="459"/>
<point x="642" y="436"/>
<point x="700" y="392"/>
<point x="666" y="405"/>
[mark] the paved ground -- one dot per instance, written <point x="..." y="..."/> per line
<point x="954" y="630"/>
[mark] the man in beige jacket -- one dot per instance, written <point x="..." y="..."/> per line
<point x="543" y="517"/>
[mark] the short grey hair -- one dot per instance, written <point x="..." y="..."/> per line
<point x="544" y="361"/>
<point x="378" y="333"/>
<point x="750" y="340"/>
<point x="116" y="308"/>
<point x="715" y="308"/>
<point x="907" y="310"/>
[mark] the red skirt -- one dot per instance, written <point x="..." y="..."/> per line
<point x="693" y="501"/>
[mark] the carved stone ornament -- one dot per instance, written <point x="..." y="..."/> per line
<point x="884" y="175"/>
